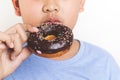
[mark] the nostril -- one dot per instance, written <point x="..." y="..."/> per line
<point x="50" y="8"/>
<point x="56" y="9"/>
<point x="47" y="10"/>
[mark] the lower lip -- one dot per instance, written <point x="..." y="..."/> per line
<point x="53" y="21"/>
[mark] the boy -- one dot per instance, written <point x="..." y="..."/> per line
<point x="83" y="61"/>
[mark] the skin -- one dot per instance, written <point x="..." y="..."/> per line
<point x="53" y="10"/>
<point x="33" y="13"/>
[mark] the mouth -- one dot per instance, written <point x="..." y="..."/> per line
<point x="52" y="21"/>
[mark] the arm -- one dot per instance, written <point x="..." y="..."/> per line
<point x="11" y="52"/>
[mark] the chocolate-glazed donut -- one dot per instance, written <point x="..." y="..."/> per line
<point x="63" y="38"/>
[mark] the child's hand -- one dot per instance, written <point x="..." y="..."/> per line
<point x="11" y="52"/>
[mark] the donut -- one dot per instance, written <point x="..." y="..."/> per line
<point x="62" y="38"/>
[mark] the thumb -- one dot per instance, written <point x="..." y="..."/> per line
<point x="22" y="56"/>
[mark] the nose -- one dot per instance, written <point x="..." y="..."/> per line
<point x="50" y="6"/>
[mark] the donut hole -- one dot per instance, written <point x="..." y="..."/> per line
<point x="50" y="37"/>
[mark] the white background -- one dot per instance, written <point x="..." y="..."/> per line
<point x="99" y="24"/>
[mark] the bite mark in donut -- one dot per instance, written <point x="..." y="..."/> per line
<point x="61" y="38"/>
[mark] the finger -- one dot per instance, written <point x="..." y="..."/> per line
<point x="21" y="29"/>
<point x="19" y="59"/>
<point x="2" y="47"/>
<point x="22" y="32"/>
<point x="17" y="45"/>
<point x="23" y="55"/>
<point x="26" y="27"/>
<point x="6" y="39"/>
<point x="30" y="28"/>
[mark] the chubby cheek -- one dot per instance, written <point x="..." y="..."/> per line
<point x="31" y="15"/>
<point x="31" y="18"/>
<point x="71" y="21"/>
<point x="70" y="14"/>
<point x="70" y="18"/>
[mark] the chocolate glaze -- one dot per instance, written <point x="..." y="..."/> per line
<point x="63" y="40"/>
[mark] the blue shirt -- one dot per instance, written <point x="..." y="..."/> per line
<point x="90" y="63"/>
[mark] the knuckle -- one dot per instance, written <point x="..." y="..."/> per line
<point x="17" y="35"/>
<point x="6" y="38"/>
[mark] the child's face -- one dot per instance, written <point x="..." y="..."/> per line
<point x="35" y="12"/>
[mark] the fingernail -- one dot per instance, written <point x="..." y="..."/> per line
<point x="11" y="45"/>
<point x="35" y="29"/>
<point x="39" y="52"/>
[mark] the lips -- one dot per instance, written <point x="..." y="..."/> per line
<point x="53" y="21"/>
